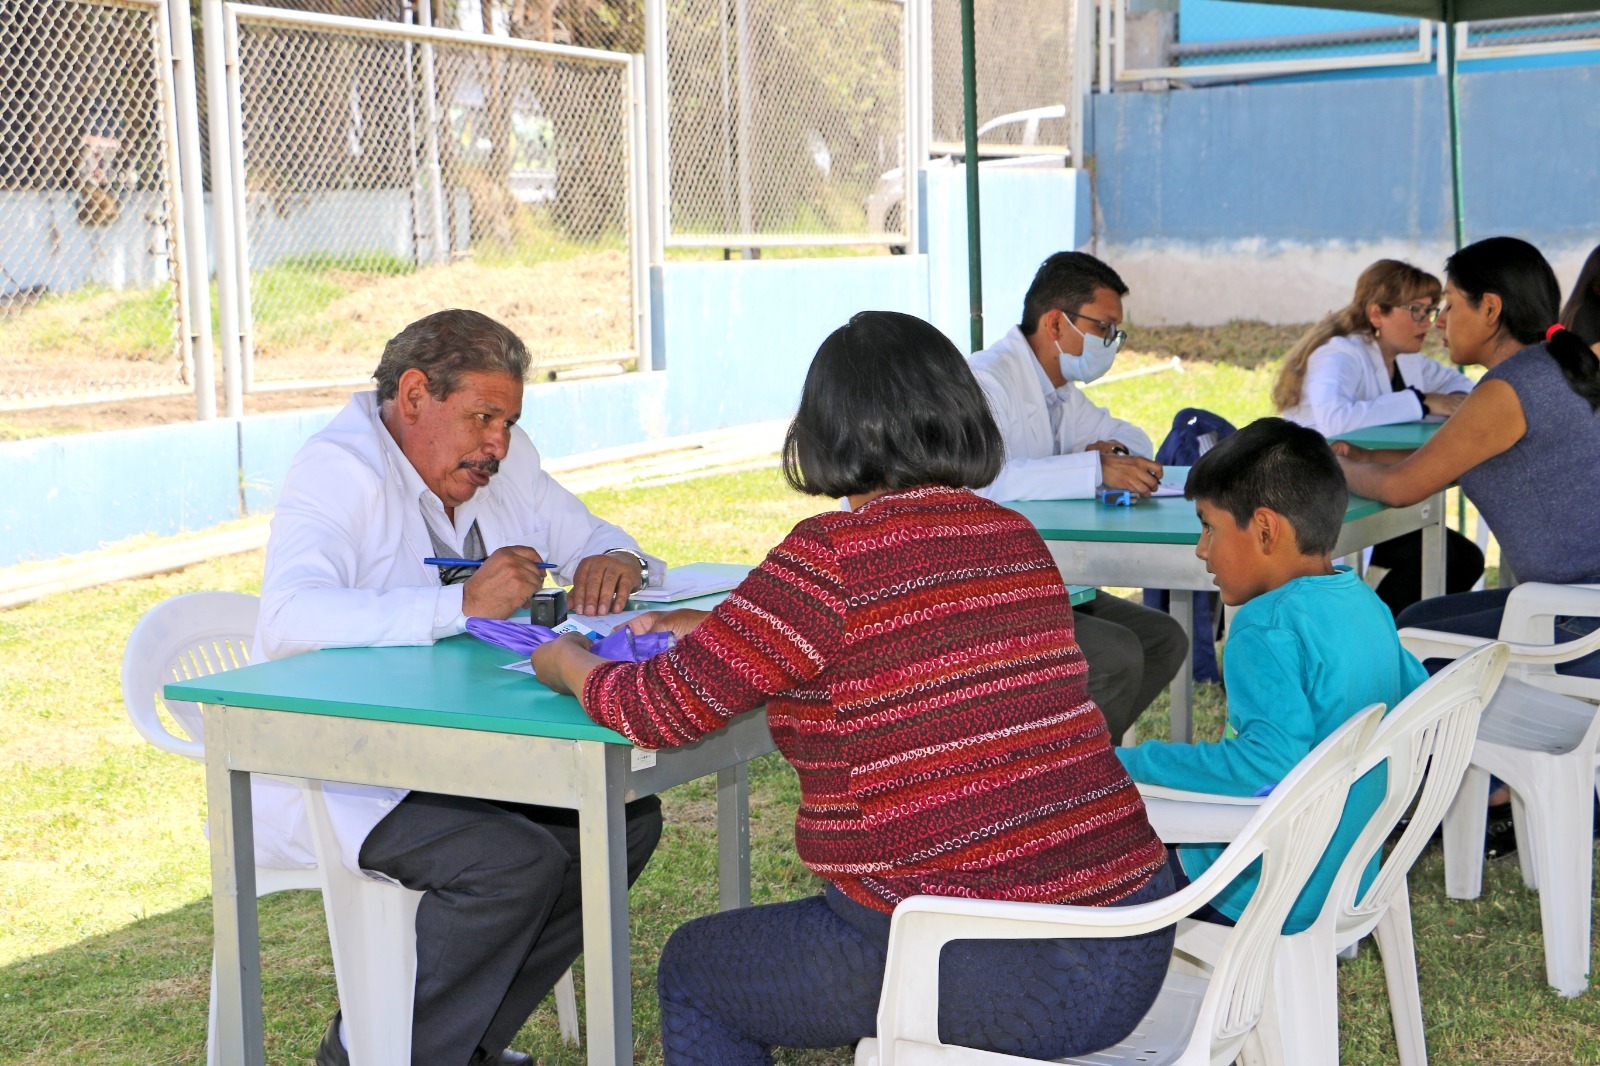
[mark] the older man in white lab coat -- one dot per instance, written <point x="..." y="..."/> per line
<point x="432" y="464"/>
<point x="1060" y="445"/>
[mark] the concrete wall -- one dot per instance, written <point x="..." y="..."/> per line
<point x="1265" y="201"/>
<point x="43" y="243"/>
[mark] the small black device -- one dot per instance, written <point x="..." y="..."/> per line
<point x="548" y="607"/>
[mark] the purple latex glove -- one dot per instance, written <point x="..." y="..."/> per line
<point x="622" y="645"/>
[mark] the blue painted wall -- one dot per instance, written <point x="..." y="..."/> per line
<point x="79" y="493"/>
<point x="1026" y="215"/>
<point x="1351" y="161"/>
<point x="1316" y="162"/>
<point x="738" y="336"/>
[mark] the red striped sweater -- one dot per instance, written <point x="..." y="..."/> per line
<point x="920" y="673"/>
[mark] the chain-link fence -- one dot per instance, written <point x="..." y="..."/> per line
<point x="782" y="118"/>
<point x="89" y="304"/>
<point x="1024" y="77"/>
<point x="389" y="171"/>
<point x="1531" y="36"/>
<point x="1204" y="39"/>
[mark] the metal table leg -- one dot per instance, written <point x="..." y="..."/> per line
<point x="237" y="958"/>
<point x="733" y="837"/>
<point x="1182" y="607"/>
<point x="602" y="850"/>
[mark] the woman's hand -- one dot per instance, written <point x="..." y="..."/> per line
<point x="1354" y="452"/>
<point x="563" y="664"/>
<point x="1444" y="403"/>
<point x="679" y="623"/>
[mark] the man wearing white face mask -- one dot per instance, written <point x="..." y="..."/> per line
<point x="1060" y="445"/>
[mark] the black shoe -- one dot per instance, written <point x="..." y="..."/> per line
<point x="331" y="1051"/>
<point x="505" y="1058"/>
<point x="1500" y="835"/>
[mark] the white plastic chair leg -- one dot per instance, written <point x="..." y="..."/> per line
<point x="1399" y="952"/>
<point x="1563" y="856"/>
<point x="372" y="930"/>
<point x="567" y="1010"/>
<point x="1527" y="846"/>
<point x="1464" y="825"/>
<point x="1305" y="1003"/>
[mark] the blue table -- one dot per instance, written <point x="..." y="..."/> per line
<point x="1152" y="545"/>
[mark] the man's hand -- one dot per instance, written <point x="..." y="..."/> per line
<point x="679" y="623"/>
<point x="1130" y="472"/>
<point x="603" y="583"/>
<point x="1445" y="403"/>
<point x="503" y="583"/>
<point x="564" y="663"/>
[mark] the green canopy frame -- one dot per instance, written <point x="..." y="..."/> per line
<point x="1449" y="12"/>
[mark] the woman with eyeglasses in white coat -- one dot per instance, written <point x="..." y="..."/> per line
<point x="1363" y="366"/>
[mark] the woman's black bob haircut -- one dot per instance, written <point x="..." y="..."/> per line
<point x="889" y="403"/>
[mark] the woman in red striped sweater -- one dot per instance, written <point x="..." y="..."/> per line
<point x="916" y="658"/>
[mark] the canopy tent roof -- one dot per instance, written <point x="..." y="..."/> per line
<point x="1441" y="10"/>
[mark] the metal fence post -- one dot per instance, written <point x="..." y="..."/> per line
<point x="223" y="229"/>
<point x="197" y="274"/>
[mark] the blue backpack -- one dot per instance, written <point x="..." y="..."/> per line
<point x="1193" y="433"/>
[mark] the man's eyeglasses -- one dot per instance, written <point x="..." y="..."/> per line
<point x="1111" y="334"/>
<point x="1421" y="312"/>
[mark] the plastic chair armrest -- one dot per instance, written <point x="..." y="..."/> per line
<point x="1181" y="817"/>
<point x="1532" y="608"/>
<point x="1428" y="644"/>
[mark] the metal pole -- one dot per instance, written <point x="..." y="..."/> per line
<point x="741" y="29"/>
<point x="969" y="123"/>
<point x="1453" y="93"/>
<point x="240" y="210"/>
<point x="430" y="134"/>
<point x="223" y="230"/>
<point x="196" y="274"/>
<point x="177" y="244"/>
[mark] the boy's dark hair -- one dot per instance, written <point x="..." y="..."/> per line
<point x="889" y="403"/>
<point x="1065" y="282"/>
<point x="1284" y="467"/>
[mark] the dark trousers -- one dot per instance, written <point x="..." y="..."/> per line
<point x="1133" y="651"/>
<point x="499" y="921"/>
<point x="808" y="974"/>
<point x="1402" y="557"/>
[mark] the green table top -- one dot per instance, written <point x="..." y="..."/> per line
<point x="1168" y="520"/>
<point x="1399" y="435"/>
<point x="457" y="683"/>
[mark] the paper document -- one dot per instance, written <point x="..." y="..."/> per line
<point x="1168" y="488"/>
<point x="694" y="579"/>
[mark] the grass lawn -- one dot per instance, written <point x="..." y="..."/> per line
<point x="105" y="946"/>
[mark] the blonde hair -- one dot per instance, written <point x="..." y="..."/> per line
<point x="1389" y="283"/>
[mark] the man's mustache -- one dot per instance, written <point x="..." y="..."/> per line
<point x="487" y="466"/>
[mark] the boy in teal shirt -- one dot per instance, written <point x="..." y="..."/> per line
<point x="1309" y="646"/>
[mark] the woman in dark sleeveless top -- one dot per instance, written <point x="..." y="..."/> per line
<point x="1525" y="446"/>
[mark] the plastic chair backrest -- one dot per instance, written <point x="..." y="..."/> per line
<point x="179" y="639"/>
<point x="1426" y="742"/>
<point x="1289" y="833"/>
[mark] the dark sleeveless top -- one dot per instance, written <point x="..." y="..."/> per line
<point x="1541" y="496"/>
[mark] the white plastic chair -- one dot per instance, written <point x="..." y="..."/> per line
<point x="1195" y="1020"/>
<point x="1425" y="744"/>
<point x="179" y="639"/>
<point x="371" y="925"/>
<point x="1541" y="736"/>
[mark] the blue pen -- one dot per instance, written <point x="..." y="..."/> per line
<point x="473" y="563"/>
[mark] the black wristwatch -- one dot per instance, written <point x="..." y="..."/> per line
<point x="644" y="564"/>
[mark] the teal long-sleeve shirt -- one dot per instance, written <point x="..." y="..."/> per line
<point x="1300" y="660"/>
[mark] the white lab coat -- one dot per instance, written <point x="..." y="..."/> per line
<point x="344" y="569"/>
<point x="1041" y="465"/>
<point x="1347" y="387"/>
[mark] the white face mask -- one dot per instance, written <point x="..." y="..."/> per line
<point x="1098" y="355"/>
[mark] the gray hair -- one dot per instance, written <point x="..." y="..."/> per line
<point x="446" y="345"/>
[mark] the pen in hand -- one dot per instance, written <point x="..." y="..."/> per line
<point x="446" y="561"/>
